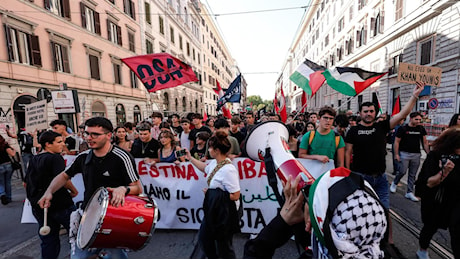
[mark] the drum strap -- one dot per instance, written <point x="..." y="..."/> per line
<point x="217" y="168"/>
<point x="271" y="175"/>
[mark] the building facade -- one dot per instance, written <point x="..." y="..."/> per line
<point x="377" y="35"/>
<point x="77" y="44"/>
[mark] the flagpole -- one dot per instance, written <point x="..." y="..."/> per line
<point x="304" y="106"/>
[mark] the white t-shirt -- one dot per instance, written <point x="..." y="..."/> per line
<point x="226" y="178"/>
<point x="184" y="142"/>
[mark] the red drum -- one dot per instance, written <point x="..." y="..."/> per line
<point x="105" y="226"/>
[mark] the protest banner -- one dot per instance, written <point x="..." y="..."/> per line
<point x="36" y="116"/>
<point x="410" y="73"/>
<point x="178" y="192"/>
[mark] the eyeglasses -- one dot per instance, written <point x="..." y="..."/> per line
<point x="327" y="118"/>
<point x="93" y="135"/>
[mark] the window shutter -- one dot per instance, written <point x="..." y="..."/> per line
<point x="46" y="4"/>
<point x="65" y="59"/>
<point x="9" y="43"/>
<point x="83" y="15"/>
<point x="35" y="46"/>
<point x="109" y="34"/>
<point x="133" y="13"/>
<point x="53" y="51"/>
<point x="119" y="35"/>
<point x="401" y="57"/>
<point x="358" y="36"/>
<point x="97" y="23"/>
<point x="382" y="23"/>
<point x="364" y="36"/>
<point x="373" y="32"/>
<point x="66" y="9"/>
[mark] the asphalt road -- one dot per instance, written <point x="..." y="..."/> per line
<point x="21" y="240"/>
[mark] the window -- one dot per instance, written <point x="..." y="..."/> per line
<point x="61" y="57"/>
<point x="98" y="109"/>
<point x="361" y="4"/>
<point x="341" y="24"/>
<point x="114" y="32"/>
<point x="361" y="37"/>
<point x="148" y="46"/>
<point x="399" y="10"/>
<point x="395" y="63"/>
<point x="94" y="66"/>
<point x="425" y="50"/>
<point x="349" y="46"/>
<point x="133" y="79"/>
<point x="128" y="7"/>
<point x="161" y="24"/>
<point x="22" y="47"/>
<point x="132" y="46"/>
<point x="90" y="19"/>
<point x="148" y="18"/>
<point x="137" y="114"/>
<point x="351" y="13"/>
<point x="180" y="42"/>
<point x="121" y="115"/>
<point x="188" y="49"/>
<point x="377" y="25"/>
<point x="58" y="7"/>
<point x="116" y="73"/>
<point x="171" y="34"/>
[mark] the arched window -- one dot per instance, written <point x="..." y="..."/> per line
<point x="196" y="105"/>
<point x="137" y="114"/>
<point x="98" y="109"/>
<point x="121" y="115"/>
<point x="184" y="105"/>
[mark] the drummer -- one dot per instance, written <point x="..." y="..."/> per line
<point x="104" y="165"/>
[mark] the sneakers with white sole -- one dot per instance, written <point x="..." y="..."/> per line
<point x="393" y="187"/>
<point x="422" y="254"/>
<point x="412" y="197"/>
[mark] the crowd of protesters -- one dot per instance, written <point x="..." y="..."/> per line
<point x="323" y="136"/>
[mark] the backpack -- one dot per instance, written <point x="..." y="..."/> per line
<point x="341" y="191"/>
<point x="34" y="184"/>
<point x="26" y="141"/>
<point x="312" y="135"/>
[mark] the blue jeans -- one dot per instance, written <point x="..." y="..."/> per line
<point x="6" y="172"/>
<point x="380" y="185"/>
<point x="409" y="161"/>
<point x="51" y="246"/>
<point x="104" y="253"/>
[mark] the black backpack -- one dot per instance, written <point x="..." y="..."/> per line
<point x="35" y="184"/>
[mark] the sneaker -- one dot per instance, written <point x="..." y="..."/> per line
<point x="422" y="254"/>
<point x="412" y="197"/>
<point x="393" y="187"/>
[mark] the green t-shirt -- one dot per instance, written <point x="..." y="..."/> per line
<point x="321" y="144"/>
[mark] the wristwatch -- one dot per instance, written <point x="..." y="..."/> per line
<point x="127" y="190"/>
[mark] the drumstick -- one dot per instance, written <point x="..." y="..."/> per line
<point x="45" y="230"/>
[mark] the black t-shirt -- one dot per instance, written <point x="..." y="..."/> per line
<point x="239" y="136"/>
<point x="116" y="168"/>
<point x="140" y="149"/>
<point x="198" y="153"/>
<point x="192" y="135"/>
<point x="369" y="147"/>
<point x="4" y="157"/>
<point x="41" y="171"/>
<point x="410" y="138"/>
<point x="177" y="130"/>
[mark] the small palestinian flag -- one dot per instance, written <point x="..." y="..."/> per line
<point x="350" y="81"/>
<point x="308" y="77"/>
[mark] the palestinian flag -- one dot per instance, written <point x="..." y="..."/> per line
<point x="396" y="106"/>
<point x="308" y="76"/>
<point x="350" y="81"/>
<point x="376" y="101"/>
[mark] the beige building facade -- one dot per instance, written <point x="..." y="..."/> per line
<point x="377" y="35"/>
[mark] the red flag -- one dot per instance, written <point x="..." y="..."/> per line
<point x="304" y="101"/>
<point x="160" y="70"/>
<point x="280" y="105"/>
<point x="396" y="106"/>
<point x="205" y="116"/>
<point x="220" y="92"/>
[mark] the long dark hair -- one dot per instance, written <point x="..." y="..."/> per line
<point x="116" y="140"/>
<point x="448" y="141"/>
<point x="169" y="135"/>
<point x="3" y="143"/>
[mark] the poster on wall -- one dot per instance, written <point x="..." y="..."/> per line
<point x="65" y="101"/>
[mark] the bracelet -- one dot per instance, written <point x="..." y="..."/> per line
<point x="414" y="96"/>
<point x="128" y="190"/>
